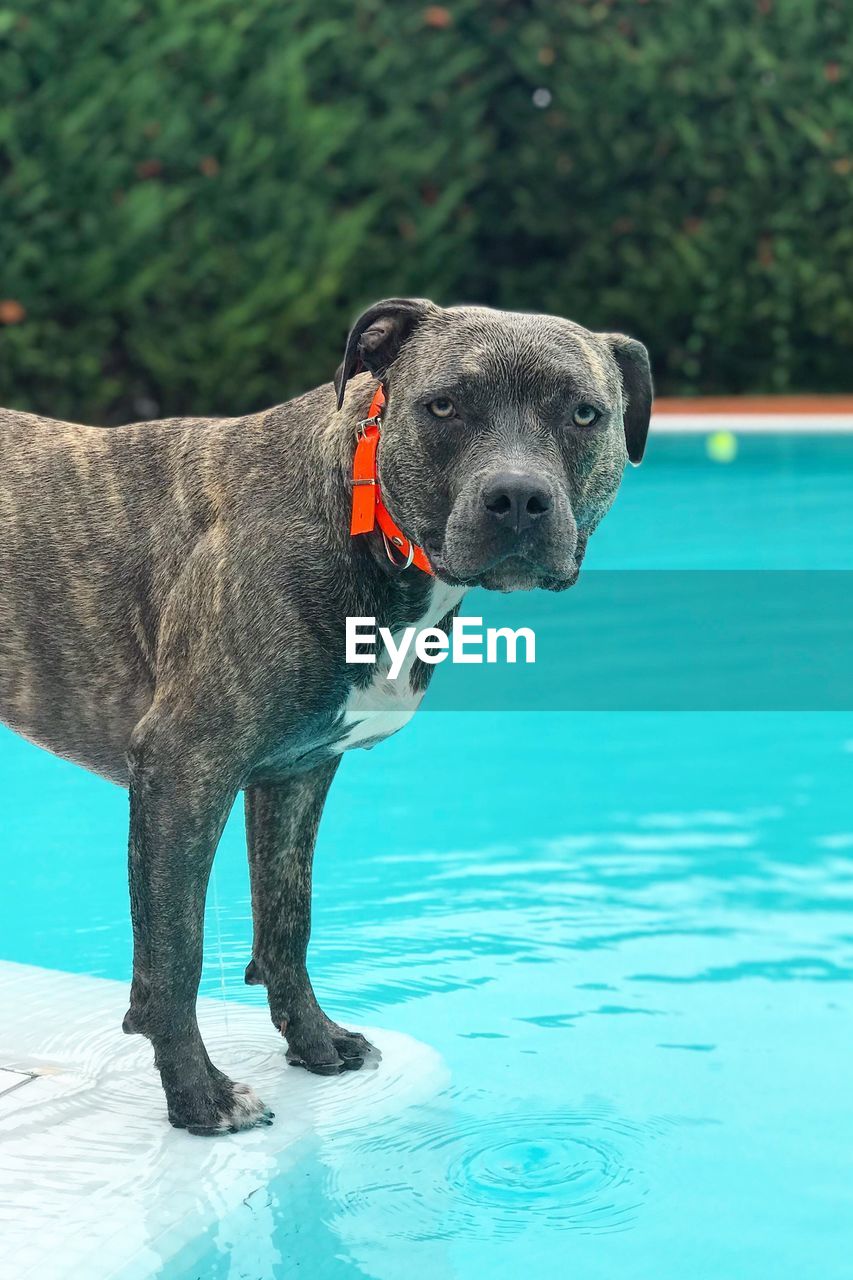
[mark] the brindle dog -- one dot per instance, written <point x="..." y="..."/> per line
<point x="173" y="598"/>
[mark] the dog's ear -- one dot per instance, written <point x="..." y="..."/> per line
<point x="633" y="361"/>
<point x="377" y="336"/>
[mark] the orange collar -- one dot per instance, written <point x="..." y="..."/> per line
<point x="368" y="509"/>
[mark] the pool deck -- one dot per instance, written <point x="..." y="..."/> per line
<point x="93" y="1180"/>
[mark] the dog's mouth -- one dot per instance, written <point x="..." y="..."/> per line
<point x="506" y="574"/>
<point x="516" y="574"/>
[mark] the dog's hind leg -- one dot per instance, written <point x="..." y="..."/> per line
<point x="281" y="828"/>
<point x="180" y="796"/>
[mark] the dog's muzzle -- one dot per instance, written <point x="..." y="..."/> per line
<point x="510" y="530"/>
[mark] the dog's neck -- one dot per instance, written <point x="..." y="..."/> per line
<point x="331" y="443"/>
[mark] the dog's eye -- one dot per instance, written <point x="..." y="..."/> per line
<point x="442" y="407"/>
<point x="585" y="415"/>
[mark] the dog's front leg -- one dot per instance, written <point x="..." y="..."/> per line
<point x="180" y="794"/>
<point x="281" y="828"/>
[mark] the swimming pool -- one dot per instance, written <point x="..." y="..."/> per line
<point x="627" y="934"/>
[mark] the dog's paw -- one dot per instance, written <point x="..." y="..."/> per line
<point x="227" y="1107"/>
<point x="327" y="1049"/>
<point x="352" y="1044"/>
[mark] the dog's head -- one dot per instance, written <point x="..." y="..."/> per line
<point x="504" y="437"/>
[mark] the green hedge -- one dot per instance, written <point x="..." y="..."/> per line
<point x="197" y="195"/>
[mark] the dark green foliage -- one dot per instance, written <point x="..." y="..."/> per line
<point x="196" y="196"/>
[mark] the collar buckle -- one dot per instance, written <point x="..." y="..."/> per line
<point x="363" y="423"/>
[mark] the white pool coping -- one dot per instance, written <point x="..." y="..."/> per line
<point x="790" y="424"/>
<point x="94" y="1182"/>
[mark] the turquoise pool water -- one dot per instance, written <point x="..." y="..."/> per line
<point x="628" y="934"/>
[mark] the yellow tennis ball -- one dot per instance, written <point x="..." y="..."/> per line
<point x="722" y="446"/>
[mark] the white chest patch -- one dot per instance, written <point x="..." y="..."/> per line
<point x="380" y="708"/>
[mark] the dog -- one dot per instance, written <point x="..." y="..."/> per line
<point x="173" y="599"/>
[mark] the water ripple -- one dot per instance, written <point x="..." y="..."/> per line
<point x="501" y="1175"/>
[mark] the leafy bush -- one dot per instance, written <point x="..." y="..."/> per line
<point x="197" y="195"/>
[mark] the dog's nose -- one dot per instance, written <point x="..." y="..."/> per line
<point x="516" y="499"/>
